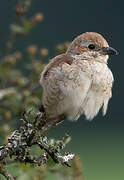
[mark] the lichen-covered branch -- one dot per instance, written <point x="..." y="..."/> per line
<point x="30" y="133"/>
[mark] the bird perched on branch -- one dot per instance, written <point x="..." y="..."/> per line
<point x="79" y="81"/>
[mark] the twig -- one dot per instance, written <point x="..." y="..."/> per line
<point x="32" y="133"/>
<point x="5" y="173"/>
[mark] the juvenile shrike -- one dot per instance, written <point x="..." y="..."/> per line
<point x="79" y="81"/>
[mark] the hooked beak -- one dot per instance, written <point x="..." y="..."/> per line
<point x="109" y="51"/>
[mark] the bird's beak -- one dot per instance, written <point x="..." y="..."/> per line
<point x="109" y="51"/>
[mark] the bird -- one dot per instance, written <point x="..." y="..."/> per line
<point x="79" y="81"/>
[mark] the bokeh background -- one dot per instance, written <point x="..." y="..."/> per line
<point x="99" y="143"/>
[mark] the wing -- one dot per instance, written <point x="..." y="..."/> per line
<point x="64" y="87"/>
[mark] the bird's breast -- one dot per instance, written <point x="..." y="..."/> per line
<point x="98" y="93"/>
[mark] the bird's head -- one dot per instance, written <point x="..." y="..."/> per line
<point x="91" y="45"/>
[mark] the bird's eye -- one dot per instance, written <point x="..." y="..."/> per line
<point x="91" y="46"/>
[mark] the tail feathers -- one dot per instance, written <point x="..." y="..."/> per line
<point x="52" y="122"/>
<point x="105" y="106"/>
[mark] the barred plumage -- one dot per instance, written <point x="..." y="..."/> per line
<point x="79" y="81"/>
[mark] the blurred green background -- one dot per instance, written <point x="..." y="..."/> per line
<point x="99" y="143"/>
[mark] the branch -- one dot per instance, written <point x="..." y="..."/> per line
<point x="6" y="175"/>
<point x="32" y="133"/>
